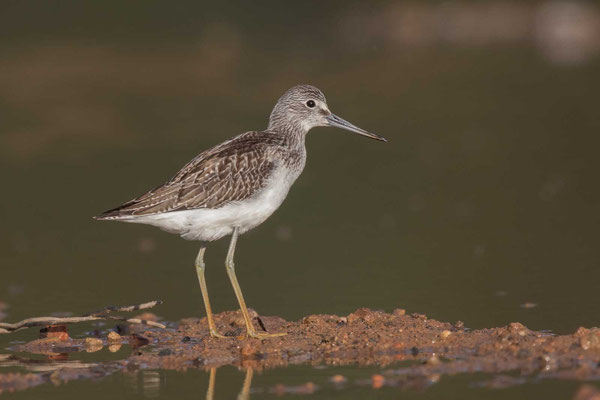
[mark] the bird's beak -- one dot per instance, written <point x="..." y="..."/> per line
<point x="334" y="120"/>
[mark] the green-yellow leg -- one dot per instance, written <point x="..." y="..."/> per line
<point x="238" y="291"/>
<point x="200" y="266"/>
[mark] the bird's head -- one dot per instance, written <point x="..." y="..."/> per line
<point x="304" y="107"/>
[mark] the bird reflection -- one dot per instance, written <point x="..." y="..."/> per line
<point x="244" y="394"/>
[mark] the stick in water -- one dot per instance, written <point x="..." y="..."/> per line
<point x="93" y="316"/>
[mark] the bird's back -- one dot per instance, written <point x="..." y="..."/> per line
<point x="229" y="172"/>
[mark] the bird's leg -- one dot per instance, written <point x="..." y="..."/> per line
<point x="200" y="266"/>
<point x="238" y="291"/>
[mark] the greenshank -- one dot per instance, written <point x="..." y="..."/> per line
<point x="235" y="186"/>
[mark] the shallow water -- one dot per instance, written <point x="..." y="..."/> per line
<point x="484" y="199"/>
<point x="268" y="385"/>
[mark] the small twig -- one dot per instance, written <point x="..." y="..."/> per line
<point x="94" y="316"/>
<point x="135" y="307"/>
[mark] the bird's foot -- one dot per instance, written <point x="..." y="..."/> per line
<point x="257" y="335"/>
<point x="215" y="334"/>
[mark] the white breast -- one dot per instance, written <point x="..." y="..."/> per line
<point x="212" y="224"/>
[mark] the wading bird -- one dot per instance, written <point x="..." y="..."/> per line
<point x="237" y="185"/>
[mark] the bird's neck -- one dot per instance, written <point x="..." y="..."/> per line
<point x="294" y="134"/>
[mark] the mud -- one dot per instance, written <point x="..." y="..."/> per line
<point x="410" y="349"/>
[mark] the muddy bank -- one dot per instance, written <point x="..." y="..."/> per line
<point x="409" y="348"/>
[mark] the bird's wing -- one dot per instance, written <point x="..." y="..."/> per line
<point x="232" y="171"/>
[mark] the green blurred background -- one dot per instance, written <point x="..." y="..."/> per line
<point x="483" y="207"/>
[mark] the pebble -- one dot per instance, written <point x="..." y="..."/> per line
<point x="307" y="388"/>
<point x="148" y="316"/>
<point x="138" y="340"/>
<point x="93" y="342"/>
<point x="587" y="392"/>
<point x="377" y="381"/>
<point x="433" y="360"/>
<point x="3" y="307"/>
<point x="114" y="337"/>
<point x="528" y="305"/>
<point x="55" y="332"/>
<point x="518" y="328"/>
<point x="249" y="350"/>
<point x="589" y="339"/>
<point x="58" y="336"/>
<point x="338" y="379"/>
<point x="445" y="334"/>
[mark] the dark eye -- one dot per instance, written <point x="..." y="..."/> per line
<point x="310" y="104"/>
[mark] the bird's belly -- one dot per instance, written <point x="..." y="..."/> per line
<point x="208" y="224"/>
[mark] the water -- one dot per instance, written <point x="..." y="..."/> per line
<point x="484" y="199"/>
<point x="229" y="382"/>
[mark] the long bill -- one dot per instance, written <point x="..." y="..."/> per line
<point x="335" y="121"/>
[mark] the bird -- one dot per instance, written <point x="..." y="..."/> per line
<point x="235" y="186"/>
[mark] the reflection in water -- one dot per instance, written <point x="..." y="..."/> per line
<point x="113" y="348"/>
<point x="150" y="383"/>
<point x="210" y="393"/>
<point x="244" y="393"/>
<point x="145" y="383"/>
<point x="53" y="362"/>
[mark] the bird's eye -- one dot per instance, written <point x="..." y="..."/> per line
<point x="310" y="104"/>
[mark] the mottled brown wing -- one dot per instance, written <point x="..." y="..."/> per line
<point x="232" y="171"/>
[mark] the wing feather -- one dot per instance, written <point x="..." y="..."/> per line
<point x="229" y="172"/>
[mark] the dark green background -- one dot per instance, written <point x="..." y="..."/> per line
<point x="485" y="198"/>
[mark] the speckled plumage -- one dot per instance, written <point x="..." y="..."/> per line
<point x="232" y="171"/>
